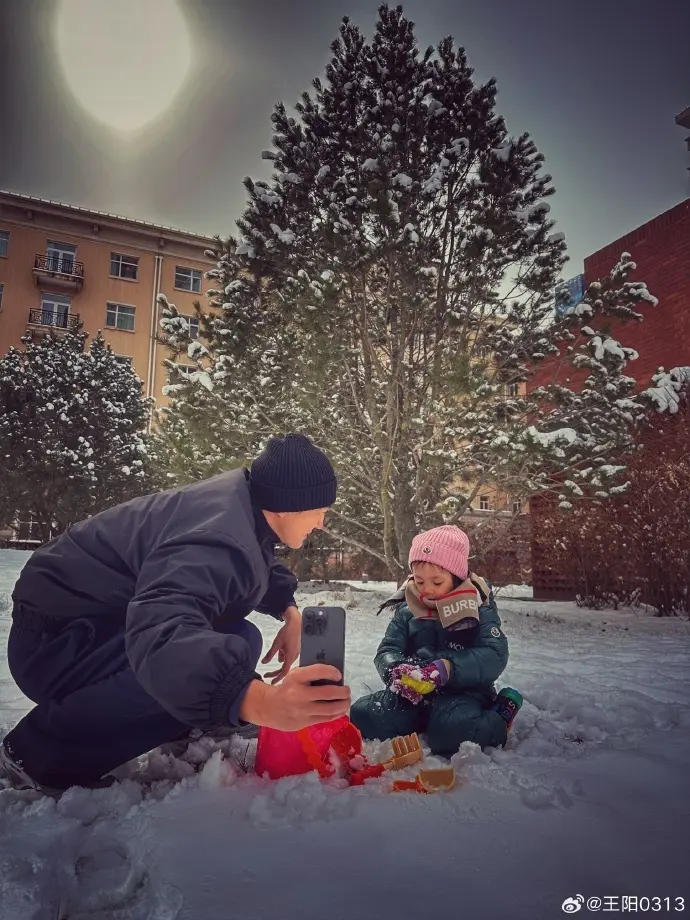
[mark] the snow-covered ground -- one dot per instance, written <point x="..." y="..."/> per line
<point x="589" y="798"/>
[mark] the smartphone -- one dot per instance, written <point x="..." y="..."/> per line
<point x="323" y="639"/>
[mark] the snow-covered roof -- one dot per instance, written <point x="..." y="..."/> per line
<point x="19" y="197"/>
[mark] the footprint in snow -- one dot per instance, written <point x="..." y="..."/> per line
<point x="107" y="878"/>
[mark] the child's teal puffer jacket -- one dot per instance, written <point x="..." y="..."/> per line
<point x="478" y="656"/>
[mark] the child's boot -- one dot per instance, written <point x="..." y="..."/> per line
<point x="507" y="704"/>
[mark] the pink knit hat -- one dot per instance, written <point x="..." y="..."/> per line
<point x="447" y="546"/>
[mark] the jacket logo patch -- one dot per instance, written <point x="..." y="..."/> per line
<point x="495" y="632"/>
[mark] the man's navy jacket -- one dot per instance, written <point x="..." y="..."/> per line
<point x="172" y="568"/>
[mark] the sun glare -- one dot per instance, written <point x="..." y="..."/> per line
<point x="123" y="60"/>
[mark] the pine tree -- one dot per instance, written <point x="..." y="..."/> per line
<point x="72" y="432"/>
<point x="388" y="283"/>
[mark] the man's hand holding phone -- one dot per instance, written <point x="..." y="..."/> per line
<point x="311" y="693"/>
<point x="296" y="703"/>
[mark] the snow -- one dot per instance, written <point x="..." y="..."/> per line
<point x="195" y="349"/>
<point x="412" y="234"/>
<point x="503" y="151"/>
<point x="371" y="164"/>
<point x="203" y="378"/>
<point x="285" y="236"/>
<point x="402" y="179"/>
<point x="550" y="438"/>
<point x="526" y="214"/>
<point x="608" y="470"/>
<point x="432" y="185"/>
<point x="665" y="393"/>
<point x="603" y="346"/>
<point x="589" y="797"/>
<point x="245" y="248"/>
<point x="267" y="196"/>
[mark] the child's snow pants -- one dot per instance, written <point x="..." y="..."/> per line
<point x="447" y="718"/>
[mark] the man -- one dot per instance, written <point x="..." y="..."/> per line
<point x="129" y="628"/>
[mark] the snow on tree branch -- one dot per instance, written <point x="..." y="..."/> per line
<point x="665" y="394"/>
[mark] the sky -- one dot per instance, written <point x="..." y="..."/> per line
<point x="596" y="83"/>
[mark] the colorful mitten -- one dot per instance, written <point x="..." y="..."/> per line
<point x="414" y="682"/>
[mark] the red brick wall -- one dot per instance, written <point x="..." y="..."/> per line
<point x="661" y="250"/>
<point x="547" y="583"/>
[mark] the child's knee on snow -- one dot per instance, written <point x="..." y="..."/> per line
<point x="444" y="735"/>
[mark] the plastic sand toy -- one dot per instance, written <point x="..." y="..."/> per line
<point x="406" y="751"/>
<point x="439" y="780"/>
<point x="293" y="753"/>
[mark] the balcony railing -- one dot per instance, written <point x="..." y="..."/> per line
<point x="60" y="265"/>
<point x="54" y="319"/>
<point x="58" y="270"/>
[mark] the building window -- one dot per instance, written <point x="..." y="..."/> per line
<point x="187" y="369"/>
<point x="4" y="242"/>
<point x="484" y="503"/>
<point x="60" y="257"/>
<point x="119" y="316"/>
<point x="122" y="266"/>
<point x="193" y="322"/>
<point x="124" y="359"/>
<point x="55" y="310"/>
<point x="512" y="390"/>
<point x="188" y="279"/>
<point x="516" y="506"/>
<point x="2" y="288"/>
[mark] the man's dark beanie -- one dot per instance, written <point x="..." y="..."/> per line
<point x="291" y="474"/>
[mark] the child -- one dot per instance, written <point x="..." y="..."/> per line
<point x="440" y="655"/>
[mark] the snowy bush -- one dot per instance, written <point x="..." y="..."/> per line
<point x="500" y="548"/>
<point x="636" y="546"/>
<point x="72" y="432"/>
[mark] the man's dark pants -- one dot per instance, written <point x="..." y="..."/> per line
<point x="92" y="714"/>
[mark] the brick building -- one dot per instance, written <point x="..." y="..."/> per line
<point x="661" y="250"/>
<point x="61" y="265"/>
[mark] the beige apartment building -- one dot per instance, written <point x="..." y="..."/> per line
<point x="61" y="265"/>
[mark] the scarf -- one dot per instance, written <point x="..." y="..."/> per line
<point x="459" y="609"/>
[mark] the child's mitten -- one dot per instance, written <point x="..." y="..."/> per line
<point x="414" y="682"/>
